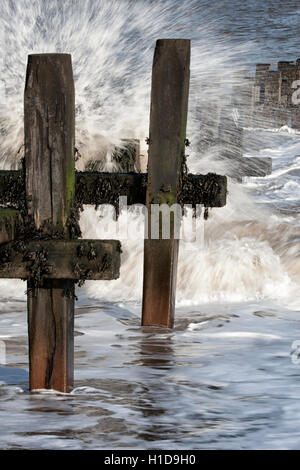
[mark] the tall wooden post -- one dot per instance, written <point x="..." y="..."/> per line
<point x="168" y="116"/>
<point x="49" y="113"/>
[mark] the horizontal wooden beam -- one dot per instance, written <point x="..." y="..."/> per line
<point x="105" y="188"/>
<point x="8" y="220"/>
<point x="209" y="190"/>
<point x="61" y="259"/>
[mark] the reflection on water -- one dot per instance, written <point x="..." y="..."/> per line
<point x="155" y="349"/>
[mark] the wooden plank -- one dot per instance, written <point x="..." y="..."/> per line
<point x="209" y="190"/>
<point x="61" y="259"/>
<point x="168" y="116"/>
<point x="49" y="121"/>
<point x="9" y="218"/>
<point x="104" y="188"/>
<point x="51" y="343"/>
<point x="49" y="115"/>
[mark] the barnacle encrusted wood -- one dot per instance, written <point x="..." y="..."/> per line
<point x="60" y="259"/>
<point x="49" y="122"/>
<point x="105" y="188"/>
<point x="49" y="114"/>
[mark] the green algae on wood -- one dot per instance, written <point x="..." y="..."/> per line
<point x="49" y="123"/>
<point x="97" y="188"/>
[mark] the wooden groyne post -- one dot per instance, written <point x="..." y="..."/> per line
<point x="49" y="118"/>
<point x="44" y="247"/>
<point x="168" y="118"/>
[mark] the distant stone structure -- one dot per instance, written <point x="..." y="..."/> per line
<point x="267" y="99"/>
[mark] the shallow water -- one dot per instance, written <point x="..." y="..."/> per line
<point x="227" y="376"/>
<point x="224" y="378"/>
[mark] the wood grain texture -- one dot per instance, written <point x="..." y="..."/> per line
<point x="51" y="338"/>
<point x="49" y="122"/>
<point x="49" y="118"/>
<point x="168" y="116"/>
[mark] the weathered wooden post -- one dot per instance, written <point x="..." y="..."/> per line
<point x="49" y="119"/>
<point x="168" y="117"/>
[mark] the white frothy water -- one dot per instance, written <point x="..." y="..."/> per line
<point x="112" y="45"/>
